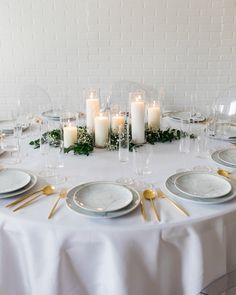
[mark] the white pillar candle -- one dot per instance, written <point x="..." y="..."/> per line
<point x="137" y="120"/>
<point x="92" y="110"/>
<point x="117" y="121"/>
<point x="153" y="114"/>
<point x="101" y="130"/>
<point x="70" y="135"/>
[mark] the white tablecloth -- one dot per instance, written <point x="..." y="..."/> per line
<point x="71" y="254"/>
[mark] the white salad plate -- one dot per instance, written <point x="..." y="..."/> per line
<point x="12" y="180"/>
<point x="202" y="184"/>
<point x="216" y="159"/>
<point x="31" y="184"/>
<point x="70" y="201"/>
<point x="184" y="116"/>
<point x="228" y="156"/>
<point x="176" y="193"/>
<point x="103" y="196"/>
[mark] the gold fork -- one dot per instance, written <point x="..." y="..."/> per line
<point x="177" y="206"/>
<point x="62" y="195"/>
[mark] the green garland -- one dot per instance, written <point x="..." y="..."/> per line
<point x="85" y="143"/>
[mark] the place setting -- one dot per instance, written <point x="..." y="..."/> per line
<point x="204" y="188"/>
<point x="102" y="199"/>
<point x="225" y="158"/>
<point x="22" y="185"/>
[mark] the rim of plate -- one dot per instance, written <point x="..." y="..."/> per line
<point x="175" y="193"/>
<point x="26" y="188"/>
<point x="129" y="200"/>
<point x="70" y="202"/>
<point x="228" y="186"/>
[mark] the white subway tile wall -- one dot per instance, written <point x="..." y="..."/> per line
<point x="185" y="46"/>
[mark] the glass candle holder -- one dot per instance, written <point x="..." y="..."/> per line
<point x="92" y="107"/>
<point x="69" y="129"/>
<point x="101" y="128"/>
<point x="153" y="115"/>
<point x="137" y="107"/>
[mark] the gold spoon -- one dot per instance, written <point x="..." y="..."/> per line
<point x="226" y="174"/>
<point x="25" y="197"/>
<point x="150" y="195"/>
<point x="62" y="195"/>
<point x="177" y="206"/>
<point x="47" y="190"/>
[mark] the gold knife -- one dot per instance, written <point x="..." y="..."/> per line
<point x="142" y="208"/>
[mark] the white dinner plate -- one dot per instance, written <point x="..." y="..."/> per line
<point x="228" y="156"/>
<point x="202" y="184"/>
<point x="184" y="116"/>
<point x="12" y="180"/>
<point x="174" y="192"/>
<point x="31" y="184"/>
<point x="70" y="201"/>
<point x="216" y="159"/>
<point x="103" y="196"/>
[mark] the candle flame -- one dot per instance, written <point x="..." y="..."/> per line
<point x="138" y="98"/>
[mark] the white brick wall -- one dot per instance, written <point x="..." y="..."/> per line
<point x="184" y="45"/>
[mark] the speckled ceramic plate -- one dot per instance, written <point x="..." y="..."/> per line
<point x="176" y="193"/>
<point x="12" y="179"/>
<point x="203" y="184"/>
<point x="228" y="156"/>
<point x="103" y="196"/>
<point x="70" y="200"/>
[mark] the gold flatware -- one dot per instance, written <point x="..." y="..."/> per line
<point x="226" y="174"/>
<point x="150" y="195"/>
<point x="47" y="190"/>
<point x="25" y="197"/>
<point x="176" y="205"/>
<point x="142" y="208"/>
<point x="62" y="195"/>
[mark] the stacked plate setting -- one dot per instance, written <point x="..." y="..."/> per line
<point x="102" y="199"/>
<point x="14" y="182"/>
<point x="184" y="117"/>
<point x="7" y="128"/>
<point x="226" y="158"/>
<point x="200" y="187"/>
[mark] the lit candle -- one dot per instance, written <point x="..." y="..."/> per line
<point x="70" y="135"/>
<point x="137" y="120"/>
<point x="117" y="121"/>
<point x="101" y="130"/>
<point x="92" y="110"/>
<point x="153" y="114"/>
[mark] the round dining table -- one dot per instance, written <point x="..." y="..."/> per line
<point x="71" y="254"/>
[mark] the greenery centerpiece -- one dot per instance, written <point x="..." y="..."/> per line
<point x="85" y="140"/>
